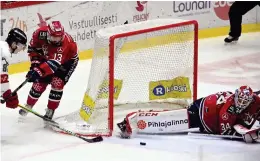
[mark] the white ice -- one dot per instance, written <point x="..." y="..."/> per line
<point x="221" y="67"/>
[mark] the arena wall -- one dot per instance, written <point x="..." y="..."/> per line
<point x="83" y="19"/>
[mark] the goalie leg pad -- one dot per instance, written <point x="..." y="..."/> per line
<point x="162" y="121"/>
<point x="126" y="125"/>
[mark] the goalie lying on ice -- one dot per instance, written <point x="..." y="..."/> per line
<point x="223" y="113"/>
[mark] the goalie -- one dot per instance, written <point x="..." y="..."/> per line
<point x="223" y="113"/>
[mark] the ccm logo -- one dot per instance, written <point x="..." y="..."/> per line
<point x="148" y="114"/>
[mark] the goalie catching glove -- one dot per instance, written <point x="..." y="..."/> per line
<point x="249" y="135"/>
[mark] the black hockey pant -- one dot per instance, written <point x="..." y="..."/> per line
<point x="237" y="10"/>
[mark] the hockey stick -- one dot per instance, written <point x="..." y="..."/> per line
<point x="56" y="125"/>
<point x="214" y="136"/>
<point x="16" y="90"/>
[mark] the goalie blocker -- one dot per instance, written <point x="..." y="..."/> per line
<point x="219" y="113"/>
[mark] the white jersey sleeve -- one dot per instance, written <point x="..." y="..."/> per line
<point x="5" y="59"/>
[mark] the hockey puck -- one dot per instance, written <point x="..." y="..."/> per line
<point x="142" y="143"/>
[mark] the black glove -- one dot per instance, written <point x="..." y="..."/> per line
<point x="34" y="74"/>
<point x="35" y="62"/>
<point x="29" y="75"/>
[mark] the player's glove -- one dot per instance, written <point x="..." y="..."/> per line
<point x="34" y="74"/>
<point x="11" y="100"/>
<point x="251" y="137"/>
<point x="44" y="69"/>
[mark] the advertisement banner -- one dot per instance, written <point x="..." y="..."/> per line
<point x="209" y="14"/>
<point x="87" y="108"/>
<point x="162" y="122"/>
<point x="178" y="87"/>
<point x="83" y="19"/>
<point x="104" y="89"/>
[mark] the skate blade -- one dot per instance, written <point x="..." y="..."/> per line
<point x="123" y="136"/>
<point x="231" y="43"/>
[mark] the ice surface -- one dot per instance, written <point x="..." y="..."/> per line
<point x="220" y="68"/>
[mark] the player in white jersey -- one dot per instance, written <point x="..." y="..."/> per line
<point x="14" y="43"/>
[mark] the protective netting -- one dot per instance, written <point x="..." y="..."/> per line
<point x="153" y="69"/>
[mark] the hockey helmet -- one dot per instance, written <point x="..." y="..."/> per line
<point x="16" y="40"/>
<point x="55" y="32"/>
<point x="243" y="98"/>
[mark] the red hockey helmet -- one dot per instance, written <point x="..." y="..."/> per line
<point x="55" y="32"/>
<point x="243" y="98"/>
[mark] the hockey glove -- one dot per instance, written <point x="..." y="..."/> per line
<point x="11" y="100"/>
<point x="35" y="62"/>
<point x="34" y="74"/>
<point x="249" y="135"/>
<point x="44" y="69"/>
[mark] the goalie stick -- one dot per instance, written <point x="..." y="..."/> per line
<point x="194" y="134"/>
<point x="200" y="135"/>
<point x="56" y="125"/>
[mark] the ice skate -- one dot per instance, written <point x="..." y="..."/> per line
<point x="48" y="115"/>
<point x="124" y="132"/>
<point x="231" y="40"/>
<point x="23" y="113"/>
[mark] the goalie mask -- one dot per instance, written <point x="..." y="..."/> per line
<point x="243" y="98"/>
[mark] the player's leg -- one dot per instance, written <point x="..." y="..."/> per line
<point x="58" y="82"/>
<point x="35" y="93"/>
<point x="237" y="10"/>
<point x="57" y="85"/>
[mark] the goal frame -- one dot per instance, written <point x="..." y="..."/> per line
<point x="111" y="64"/>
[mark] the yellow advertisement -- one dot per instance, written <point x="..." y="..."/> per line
<point x="178" y="87"/>
<point x="87" y="107"/>
<point x="103" y="89"/>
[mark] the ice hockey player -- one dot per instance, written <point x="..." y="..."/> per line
<point x="221" y="113"/>
<point x="236" y="11"/>
<point x="54" y="57"/>
<point x="14" y="43"/>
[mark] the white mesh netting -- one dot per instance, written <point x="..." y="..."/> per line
<point x="153" y="69"/>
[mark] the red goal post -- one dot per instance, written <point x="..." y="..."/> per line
<point x="112" y="55"/>
<point x="108" y="61"/>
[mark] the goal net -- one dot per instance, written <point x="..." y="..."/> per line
<point x="150" y="65"/>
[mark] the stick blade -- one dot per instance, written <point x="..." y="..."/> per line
<point x="93" y="140"/>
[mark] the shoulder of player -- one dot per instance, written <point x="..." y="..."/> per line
<point x="5" y="53"/>
<point x="223" y="95"/>
<point x="41" y="29"/>
<point x="256" y="100"/>
<point x="41" y="33"/>
<point x="211" y="100"/>
<point x="4" y="45"/>
<point x="68" y="38"/>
